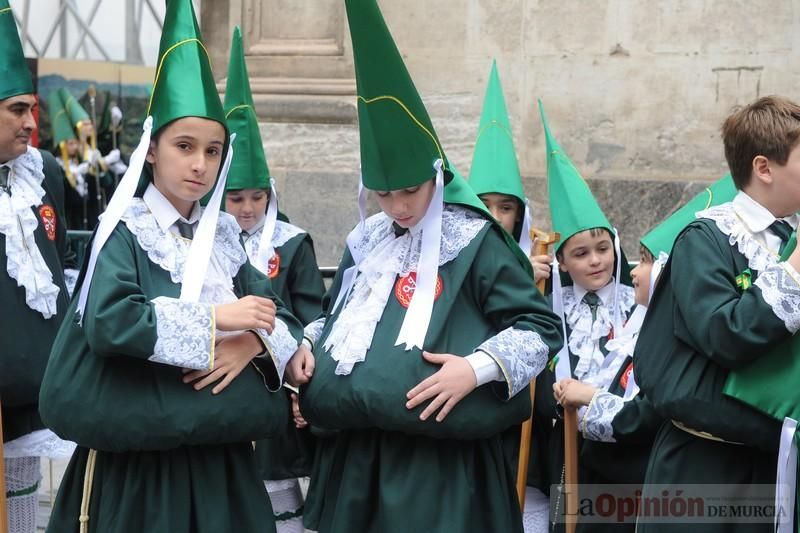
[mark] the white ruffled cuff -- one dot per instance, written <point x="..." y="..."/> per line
<point x="520" y="354"/>
<point x="780" y="287"/>
<point x="185" y="334"/>
<point x="597" y="418"/>
<point x="312" y="332"/>
<point x="281" y="346"/>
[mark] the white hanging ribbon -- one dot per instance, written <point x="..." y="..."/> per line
<point x="525" y="235"/>
<point x="418" y="315"/>
<point x="200" y="251"/>
<point x="116" y="208"/>
<point x="349" y="275"/>
<point x="265" y="249"/>
<point x="617" y="316"/>
<point x="786" y="478"/>
<point x="563" y="367"/>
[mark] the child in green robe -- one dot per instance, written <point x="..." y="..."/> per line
<point x="724" y="299"/>
<point x="176" y="340"/>
<point x="432" y="332"/>
<point x="285" y="254"/>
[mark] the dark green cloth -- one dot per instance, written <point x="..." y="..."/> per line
<point x="197" y="489"/>
<point x="699" y="327"/>
<point x="299" y="284"/>
<point x="25" y="336"/>
<point x="375" y="479"/>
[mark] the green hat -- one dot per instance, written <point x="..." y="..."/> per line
<point x="184" y="84"/>
<point x="59" y="119"/>
<point x="494" y="163"/>
<point x="249" y="168"/>
<point x="572" y="206"/>
<point x="75" y="111"/>
<point x="15" y="77"/>
<point x="398" y="143"/>
<point x="662" y="237"/>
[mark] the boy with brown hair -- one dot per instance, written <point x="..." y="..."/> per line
<point x="724" y="300"/>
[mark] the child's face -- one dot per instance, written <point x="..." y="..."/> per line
<point x="588" y="259"/>
<point x="786" y="184"/>
<point x="72" y="147"/>
<point x="186" y="160"/>
<point x="249" y="206"/>
<point x="641" y="279"/>
<point x="406" y="206"/>
<point x="504" y="208"/>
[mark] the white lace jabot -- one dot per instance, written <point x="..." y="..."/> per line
<point x="385" y="258"/>
<point x="18" y="223"/>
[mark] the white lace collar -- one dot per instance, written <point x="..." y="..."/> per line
<point x="585" y="335"/>
<point x="18" y="222"/>
<point x="386" y="257"/>
<point x="736" y="227"/>
<point x="606" y="294"/>
<point x="170" y="251"/>
<point x="282" y="234"/>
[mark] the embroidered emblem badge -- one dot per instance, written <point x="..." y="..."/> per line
<point x="405" y="286"/>
<point x="626" y="376"/>
<point x="48" y="216"/>
<point x="274" y="266"/>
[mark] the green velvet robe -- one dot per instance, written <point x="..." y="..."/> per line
<point x="25" y="335"/>
<point x="372" y="479"/>
<point x="140" y="485"/>
<point x="701" y="324"/>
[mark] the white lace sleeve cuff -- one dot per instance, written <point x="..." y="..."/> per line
<point x="780" y="287"/>
<point x="185" y="333"/>
<point x="280" y="348"/>
<point x="597" y="418"/>
<point x="312" y="332"/>
<point x="520" y="354"/>
<point x="485" y="367"/>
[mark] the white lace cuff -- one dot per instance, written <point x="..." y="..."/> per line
<point x="312" y="332"/>
<point x="281" y="346"/>
<point x="485" y="367"/>
<point x="781" y="290"/>
<point x="185" y="334"/>
<point x="521" y="355"/>
<point x="597" y="418"/>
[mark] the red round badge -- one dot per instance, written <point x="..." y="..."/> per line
<point x="48" y="216"/>
<point x="274" y="266"/>
<point x="405" y="286"/>
<point x="623" y="380"/>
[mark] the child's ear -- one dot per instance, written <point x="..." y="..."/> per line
<point x="561" y="267"/>
<point x="761" y="169"/>
<point x="150" y="157"/>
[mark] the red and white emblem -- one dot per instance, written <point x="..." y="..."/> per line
<point x="626" y="376"/>
<point x="274" y="266"/>
<point x="405" y="286"/>
<point x="48" y="216"/>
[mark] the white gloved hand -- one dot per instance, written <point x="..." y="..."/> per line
<point x="95" y="156"/>
<point x="118" y="168"/>
<point x="116" y="116"/>
<point x="112" y="157"/>
<point x="81" y="186"/>
<point x="81" y="169"/>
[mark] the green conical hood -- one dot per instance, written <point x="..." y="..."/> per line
<point x="662" y="237"/>
<point x="572" y="206"/>
<point x="59" y="119"/>
<point x="494" y="163"/>
<point x="15" y="77"/>
<point x="75" y="111"/>
<point x="398" y="142"/>
<point x="249" y="168"/>
<point x="184" y="85"/>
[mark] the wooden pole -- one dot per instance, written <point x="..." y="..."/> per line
<point x="571" y="469"/>
<point x="543" y="241"/>
<point x="3" y="503"/>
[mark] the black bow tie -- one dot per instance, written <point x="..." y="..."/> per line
<point x="399" y="230"/>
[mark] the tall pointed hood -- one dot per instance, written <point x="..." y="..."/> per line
<point x="15" y="77"/>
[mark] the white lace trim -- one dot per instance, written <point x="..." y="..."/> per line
<point x="385" y="258"/>
<point x="282" y="346"/>
<point x="185" y="333"/>
<point x="759" y="257"/>
<point x="18" y="223"/>
<point x="781" y="291"/>
<point x="40" y="443"/>
<point x="597" y="419"/>
<point x="170" y="251"/>
<point x="584" y="339"/>
<point x="282" y="234"/>
<point x="521" y="355"/>
<point x="314" y="330"/>
<point x="619" y="349"/>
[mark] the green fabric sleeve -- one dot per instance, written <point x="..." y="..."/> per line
<point x="305" y="284"/>
<point x="729" y="326"/>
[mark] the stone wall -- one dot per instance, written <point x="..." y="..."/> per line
<point x="635" y="91"/>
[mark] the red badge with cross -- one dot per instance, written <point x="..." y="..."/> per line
<point x="274" y="266"/>
<point x="48" y="216"/>
<point x="405" y="286"/>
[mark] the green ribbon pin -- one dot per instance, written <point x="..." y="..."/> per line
<point x="744" y="280"/>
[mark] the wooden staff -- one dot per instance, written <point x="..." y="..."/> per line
<point x="3" y="502"/>
<point x="543" y="241"/>
<point x="571" y="468"/>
